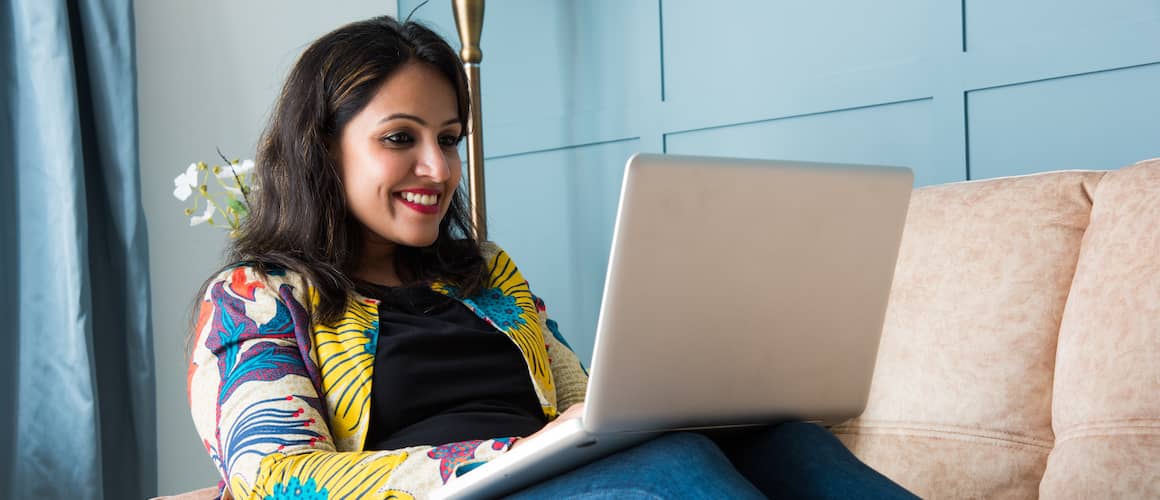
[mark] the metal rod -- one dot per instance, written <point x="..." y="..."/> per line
<point x="469" y="21"/>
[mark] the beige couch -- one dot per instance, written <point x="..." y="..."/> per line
<point x="1021" y="352"/>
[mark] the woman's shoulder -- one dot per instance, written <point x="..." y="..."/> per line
<point x="245" y="277"/>
<point x="502" y="269"/>
<point x="489" y="249"/>
<point x="497" y="259"/>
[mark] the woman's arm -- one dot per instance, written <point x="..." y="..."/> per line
<point x="574" y="411"/>
<point x="570" y="378"/>
<point x="568" y="373"/>
<point x="263" y="420"/>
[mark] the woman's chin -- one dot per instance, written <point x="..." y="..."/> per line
<point x="420" y="241"/>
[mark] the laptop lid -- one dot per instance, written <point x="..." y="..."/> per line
<point x="743" y="292"/>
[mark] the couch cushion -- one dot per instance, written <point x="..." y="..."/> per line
<point x="960" y="404"/>
<point x="1107" y="379"/>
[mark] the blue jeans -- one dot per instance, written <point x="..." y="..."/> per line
<point x="791" y="460"/>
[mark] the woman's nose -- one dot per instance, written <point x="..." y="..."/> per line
<point x="432" y="163"/>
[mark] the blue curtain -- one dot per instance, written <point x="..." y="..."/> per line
<point x="77" y="411"/>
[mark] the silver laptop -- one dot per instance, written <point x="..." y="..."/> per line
<point x="739" y="292"/>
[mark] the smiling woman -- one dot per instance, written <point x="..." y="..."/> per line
<point x="360" y="343"/>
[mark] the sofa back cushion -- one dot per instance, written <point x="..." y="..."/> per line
<point x="960" y="404"/>
<point x="1106" y="414"/>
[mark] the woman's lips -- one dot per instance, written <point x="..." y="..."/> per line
<point x="423" y="209"/>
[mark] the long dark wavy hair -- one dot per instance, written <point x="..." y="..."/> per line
<point x="298" y="218"/>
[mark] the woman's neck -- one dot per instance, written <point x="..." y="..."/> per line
<point x="377" y="264"/>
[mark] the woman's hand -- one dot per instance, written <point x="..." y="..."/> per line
<point x="573" y="412"/>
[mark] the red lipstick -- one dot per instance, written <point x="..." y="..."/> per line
<point x="423" y="209"/>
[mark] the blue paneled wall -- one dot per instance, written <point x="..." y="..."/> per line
<point x="956" y="90"/>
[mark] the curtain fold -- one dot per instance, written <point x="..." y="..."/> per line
<point x="79" y="366"/>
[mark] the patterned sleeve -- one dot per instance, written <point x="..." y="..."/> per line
<point x="262" y="420"/>
<point x="569" y="374"/>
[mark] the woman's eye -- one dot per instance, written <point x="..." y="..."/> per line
<point x="399" y="138"/>
<point x="449" y="141"/>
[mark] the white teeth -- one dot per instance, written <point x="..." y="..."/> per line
<point x="421" y="199"/>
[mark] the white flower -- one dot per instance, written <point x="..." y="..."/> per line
<point x="233" y="190"/>
<point x="201" y="219"/>
<point x="183" y="184"/>
<point x="239" y="169"/>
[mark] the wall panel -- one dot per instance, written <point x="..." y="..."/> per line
<point x="724" y="52"/>
<point x="1093" y="121"/>
<point x="993" y="25"/>
<point x="888" y="134"/>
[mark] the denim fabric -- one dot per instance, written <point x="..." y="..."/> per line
<point x="800" y="460"/>
<point x="791" y="460"/>
<point x="681" y="465"/>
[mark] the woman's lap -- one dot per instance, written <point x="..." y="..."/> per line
<point x="792" y="460"/>
<point x="802" y="460"/>
<point x="677" y="465"/>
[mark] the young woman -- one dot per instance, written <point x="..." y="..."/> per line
<point x="361" y="345"/>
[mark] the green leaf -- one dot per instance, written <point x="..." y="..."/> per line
<point x="240" y="208"/>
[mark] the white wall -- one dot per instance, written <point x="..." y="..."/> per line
<point x="207" y="75"/>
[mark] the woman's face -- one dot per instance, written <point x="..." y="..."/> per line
<point x="399" y="161"/>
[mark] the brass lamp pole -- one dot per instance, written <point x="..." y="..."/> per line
<point x="469" y="21"/>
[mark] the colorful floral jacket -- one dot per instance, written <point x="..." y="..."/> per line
<point x="283" y="405"/>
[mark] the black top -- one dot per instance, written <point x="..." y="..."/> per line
<point x="444" y="375"/>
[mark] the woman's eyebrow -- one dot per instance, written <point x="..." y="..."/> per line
<point x="414" y="118"/>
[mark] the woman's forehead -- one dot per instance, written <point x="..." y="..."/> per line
<point x="415" y="91"/>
